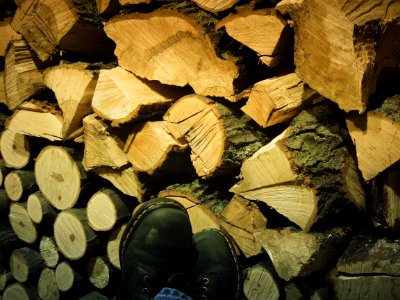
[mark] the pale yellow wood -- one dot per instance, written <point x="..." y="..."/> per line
<point x="21" y="223"/>
<point x="148" y="148"/>
<point x="169" y="47"/>
<point x="42" y="32"/>
<point x="120" y="96"/>
<point x="296" y="253"/>
<point x="125" y="179"/>
<point x="127" y="2"/>
<point x="3" y="98"/>
<point x="103" y="5"/>
<point x="39" y="207"/>
<point x="103" y="148"/>
<point x="99" y="271"/>
<point x="73" y="87"/>
<point x="66" y="276"/>
<point x="19" y="291"/>
<point x="7" y="34"/>
<point x="264" y="30"/>
<point x="48" y="251"/>
<point x="377" y="141"/>
<point x="22" y="79"/>
<point x="215" y="6"/>
<point x="73" y="235"/>
<point x="113" y="245"/>
<point x="58" y="177"/>
<point x="37" y="119"/>
<point x="15" y="149"/>
<point x="105" y="208"/>
<point x="19" y="182"/>
<point x="392" y="190"/>
<point x="259" y="283"/>
<point x="335" y="55"/>
<point x="278" y="99"/>
<point x="47" y="285"/>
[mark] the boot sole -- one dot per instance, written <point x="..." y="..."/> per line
<point x="142" y="210"/>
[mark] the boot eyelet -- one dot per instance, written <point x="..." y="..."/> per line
<point x="204" y="289"/>
<point x="205" y="280"/>
<point x="203" y="297"/>
<point x="146" y="291"/>
<point x="146" y="279"/>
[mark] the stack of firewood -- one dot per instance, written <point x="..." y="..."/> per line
<point x="276" y="121"/>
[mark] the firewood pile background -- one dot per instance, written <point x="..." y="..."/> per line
<point x="276" y="121"/>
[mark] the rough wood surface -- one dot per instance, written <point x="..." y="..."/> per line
<point x="19" y="183"/>
<point x="103" y="148"/>
<point x="296" y="253"/>
<point x="105" y="209"/>
<point x="279" y="99"/>
<point x="66" y="277"/>
<point x="25" y="264"/>
<point x="48" y="251"/>
<point x="37" y="118"/>
<point x="264" y="30"/>
<point x="8" y="237"/>
<point x="20" y="291"/>
<point x="47" y="285"/>
<point x="100" y="272"/>
<point x="22" y="79"/>
<point x="8" y="34"/>
<point x="298" y="171"/>
<point x="39" y="209"/>
<point x="21" y="223"/>
<point x="260" y="283"/>
<point x="241" y="218"/>
<point x="73" y="87"/>
<point x="73" y="235"/>
<point x="150" y="148"/>
<point x="58" y="176"/>
<point x="168" y="46"/>
<point x="215" y="6"/>
<point x="15" y="149"/>
<point x="113" y="244"/>
<point x="344" y="52"/>
<point x="121" y="97"/>
<point x="219" y="140"/>
<point x="376" y="137"/>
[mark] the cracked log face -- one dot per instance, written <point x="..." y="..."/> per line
<point x="342" y="46"/>
<point x="58" y="177"/>
<point x="169" y="47"/>
<point x="215" y="6"/>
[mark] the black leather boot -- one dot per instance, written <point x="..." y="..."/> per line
<point x="154" y="249"/>
<point x="217" y="272"/>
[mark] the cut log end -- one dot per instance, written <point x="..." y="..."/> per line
<point x="15" y="149"/>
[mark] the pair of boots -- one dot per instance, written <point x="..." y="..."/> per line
<point x="158" y="250"/>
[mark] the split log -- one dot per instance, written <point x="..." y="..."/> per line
<point x="352" y="62"/>
<point x="20" y="291"/>
<point x="73" y="235"/>
<point x="3" y="98"/>
<point x="376" y="137"/>
<point x="15" y="149"/>
<point x="307" y="173"/>
<point x="369" y="268"/>
<point x="8" y="34"/>
<point x="52" y="25"/>
<point x="151" y="148"/>
<point x="25" y="264"/>
<point x="264" y="30"/>
<point x="48" y="251"/>
<point x="241" y="219"/>
<point x="298" y="254"/>
<point x="215" y="6"/>
<point x="113" y="244"/>
<point x="105" y="209"/>
<point x="19" y="184"/>
<point x="219" y="140"/>
<point x="279" y="99"/>
<point x="128" y="2"/>
<point x="47" y="285"/>
<point x="22" y="79"/>
<point x="73" y="86"/>
<point x="39" y="209"/>
<point x="21" y="223"/>
<point x="124" y="179"/>
<point x="295" y="290"/>
<point x="260" y="283"/>
<point x="386" y="200"/>
<point x="37" y="118"/>
<point x="103" y="147"/>
<point x="58" y="173"/>
<point x="180" y="54"/>
<point x="67" y="278"/>
<point x="101" y="273"/>
<point x="106" y="6"/>
<point x="8" y="238"/>
<point x="121" y="97"/>
<point x="202" y="201"/>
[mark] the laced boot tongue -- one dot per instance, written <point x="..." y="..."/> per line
<point x="179" y="282"/>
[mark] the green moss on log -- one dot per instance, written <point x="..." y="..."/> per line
<point x="391" y="107"/>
